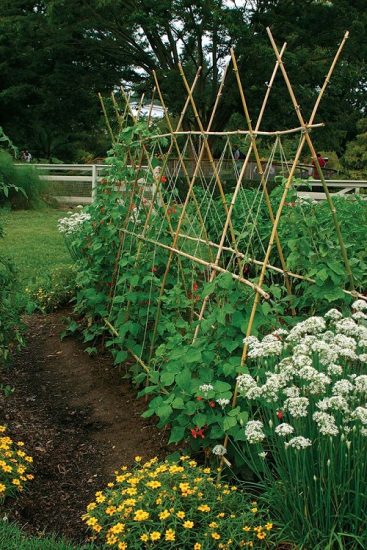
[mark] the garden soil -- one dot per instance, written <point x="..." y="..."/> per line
<point x="79" y="419"/>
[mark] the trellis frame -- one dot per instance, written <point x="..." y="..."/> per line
<point x="213" y="267"/>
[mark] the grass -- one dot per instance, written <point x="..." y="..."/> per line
<point x="33" y="242"/>
<point x="12" y="538"/>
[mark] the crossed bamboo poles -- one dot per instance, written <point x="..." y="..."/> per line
<point x="253" y="132"/>
<point x="305" y="139"/>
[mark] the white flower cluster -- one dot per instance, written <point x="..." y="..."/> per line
<point x="205" y="388"/>
<point x="319" y="385"/>
<point x="254" y="431"/>
<point x="72" y="223"/>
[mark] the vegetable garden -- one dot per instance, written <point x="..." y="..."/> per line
<point x="239" y="312"/>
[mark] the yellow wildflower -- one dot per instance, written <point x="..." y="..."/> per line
<point x="138" y="459"/>
<point x="188" y="524"/>
<point x="164" y="515"/>
<point x="144" y="537"/>
<point x="2" y="488"/>
<point x="155" y="535"/>
<point x="204" y="508"/>
<point x="197" y="546"/>
<point x="141" y="515"/>
<point x="261" y="535"/>
<point x="170" y="535"/>
<point x="215" y="536"/>
<point x="181" y="515"/>
<point x="254" y="510"/>
<point x="154" y="484"/>
<point x="268" y="526"/>
<point x="122" y="546"/>
<point x="213" y="525"/>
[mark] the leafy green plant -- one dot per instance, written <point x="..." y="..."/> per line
<point x="20" y="186"/>
<point x="57" y="289"/>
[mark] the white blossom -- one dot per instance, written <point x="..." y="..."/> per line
<point x="284" y="429"/>
<point x="299" y="443"/>
<point x="346" y="326"/>
<point x="205" y="388"/>
<point x="333" y="314"/>
<point x="325" y="423"/>
<point x="253" y="431"/>
<point x="71" y="224"/>
<point x="219" y="450"/>
<point x="296" y="406"/>
<point x="360" y="383"/>
<point x="359" y="305"/>
<point x="361" y="414"/>
<point x="222" y="402"/>
<point x="342" y="387"/>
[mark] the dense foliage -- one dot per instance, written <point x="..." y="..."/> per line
<point x="101" y="43"/>
<point x="10" y="324"/>
<point x="191" y="378"/>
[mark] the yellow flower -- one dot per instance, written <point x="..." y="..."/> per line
<point x="206" y="470"/>
<point x="110" y="510"/>
<point x="174" y="469"/>
<point x="183" y="458"/>
<point x="91" y="521"/>
<point x="15" y="482"/>
<point x="164" y="515"/>
<point x="213" y="525"/>
<point x="193" y="463"/>
<point x="158" y="501"/>
<point x="2" y="429"/>
<point x="141" y="515"/>
<point x="197" y="546"/>
<point x="221" y="515"/>
<point x="118" y="528"/>
<point x="261" y="535"/>
<point x="254" y="510"/>
<point x="28" y="458"/>
<point x="111" y="540"/>
<point x="170" y="535"/>
<point x="188" y="524"/>
<point x="138" y="459"/>
<point x="155" y="535"/>
<point x="144" y="537"/>
<point x="20" y="444"/>
<point x="131" y="491"/>
<point x="215" y="536"/>
<point x="268" y="526"/>
<point x="181" y="515"/>
<point x="204" y="508"/>
<point x="154" y="484"/>
<point x="122" y="546"/>
<point x="2" y="488"/>
<point x="246" y="528"/>
<point x="130" y="502"/>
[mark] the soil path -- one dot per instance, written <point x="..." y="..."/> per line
<point x="80" y="421"/>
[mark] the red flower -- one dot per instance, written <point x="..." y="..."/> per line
<point x="195" y="287"/>
<point x="197" y="432"/>
<point x="154" y="268"/>
<point x="212" y="404"/>
<point x="163" y="179"/>
<point x="280" y="415"/>
<point x="199" y="398"/>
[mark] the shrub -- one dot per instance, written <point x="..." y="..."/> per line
<point x="57" y="289"/>
<point x="15" y="466"/>
<point x="168" y="505"/>
<point x="20" y="186"/>
<point x="10" y="307"/>
<point x="306" y="440"/>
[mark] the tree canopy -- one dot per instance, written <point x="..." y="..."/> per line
<point x="55" y="55"/>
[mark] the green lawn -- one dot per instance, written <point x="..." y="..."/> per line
<point x="12" y="538"/>
<point x="33" y="242"/>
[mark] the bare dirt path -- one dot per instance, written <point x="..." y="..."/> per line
<point x="80" y="421"/>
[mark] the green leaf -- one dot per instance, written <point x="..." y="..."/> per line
<point x="177" y="434"/>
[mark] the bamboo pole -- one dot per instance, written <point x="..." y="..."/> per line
<point x="280" y="209"/>
<point x="312" y="149"/>
<point x="238" y="132"/>
<point x="183" y="212"/>
<point x="106" y="118"/>
<point x="258" y="161"/>
<point x="239" y="182"/>
<point x="271" y="267"/>
<point x="180" y="156"/>
<point x="199" y="261"/>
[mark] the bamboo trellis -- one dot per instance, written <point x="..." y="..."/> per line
<point x="190" y="237"/>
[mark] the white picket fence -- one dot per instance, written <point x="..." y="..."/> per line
<point x="82" y="180"/>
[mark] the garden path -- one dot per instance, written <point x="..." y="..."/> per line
<point x="80" y="421"/>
